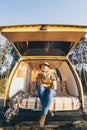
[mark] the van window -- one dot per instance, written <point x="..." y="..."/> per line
<point x="59" y="48"/>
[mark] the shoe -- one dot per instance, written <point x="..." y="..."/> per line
<point x="42" y="120"/>
<point x="50" y="113"/>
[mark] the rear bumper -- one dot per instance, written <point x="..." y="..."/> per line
<point x="30" y="115"/>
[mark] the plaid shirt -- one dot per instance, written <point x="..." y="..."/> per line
<point x="47" y="78"/>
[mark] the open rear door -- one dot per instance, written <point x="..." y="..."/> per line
<point x="31" y="38"/>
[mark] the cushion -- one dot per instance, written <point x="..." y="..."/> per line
<point x="58" y="103"/>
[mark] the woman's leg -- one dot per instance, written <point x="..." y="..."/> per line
<point x="41" y="93"/>
<point x="45" y="96"/>
<point x="50" y="93"/>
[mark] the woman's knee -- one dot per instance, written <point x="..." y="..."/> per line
<point x="40" y="88"/>
<point x="51" y="92"/>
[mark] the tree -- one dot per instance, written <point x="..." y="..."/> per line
<point x="8" y="57"/>
<point x="79" y="58"/>
<point x="14" y="56"/>
<point x="3" y="52"/>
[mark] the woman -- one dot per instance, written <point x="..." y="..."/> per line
<point x="46" y="86"/>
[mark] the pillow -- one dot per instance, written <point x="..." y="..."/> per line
<point x="62" y="89"/>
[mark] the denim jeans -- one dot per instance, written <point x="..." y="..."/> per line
<point x="46" y="96"/>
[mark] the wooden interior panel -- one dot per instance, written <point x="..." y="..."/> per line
<point x="44" y="36"/>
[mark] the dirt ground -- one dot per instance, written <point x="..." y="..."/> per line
<point x="77" y="125"/>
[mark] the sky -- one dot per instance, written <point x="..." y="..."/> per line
<point x="17" y="12"/>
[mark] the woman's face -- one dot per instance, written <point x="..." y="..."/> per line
<point x="45" y="68"/>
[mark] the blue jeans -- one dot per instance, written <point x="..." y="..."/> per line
<point x="46" y="96"/>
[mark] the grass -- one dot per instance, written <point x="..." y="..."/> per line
<point x="78" y="125"/>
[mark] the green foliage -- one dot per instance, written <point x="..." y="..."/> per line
<point x="15" y="58"/>
<point x="2" y="84"/>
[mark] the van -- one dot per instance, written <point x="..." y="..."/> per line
<point x="29" y="41"/>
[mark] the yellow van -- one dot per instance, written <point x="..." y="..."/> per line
<point x="30" y="42"/>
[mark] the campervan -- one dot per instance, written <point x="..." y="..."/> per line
<point x="30" y="42"/>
